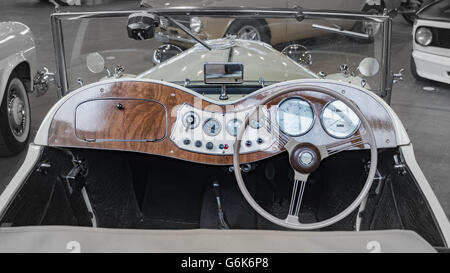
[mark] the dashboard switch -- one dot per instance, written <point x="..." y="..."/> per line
<point x="186" y="142"/>
<point x="260" y="141"/>
<point x="198" y="144"/>
<point x="248" y="143"/>
<point x="209" y="145"/>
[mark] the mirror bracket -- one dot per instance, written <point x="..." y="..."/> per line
<point x="41" y="81"/>
<point x="223" y="93"/>
<point x="118" y="71"/>
<point x="396" y="77"/>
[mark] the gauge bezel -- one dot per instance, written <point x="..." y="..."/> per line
<point x="207" y="133"/>
<point x="325" y="128"/>
<point x="226" y="126"/>
<point x="196" y="122"/>
<point x="312" y="110"/>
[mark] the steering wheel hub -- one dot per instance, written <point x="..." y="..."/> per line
<point x="305" y="157"/>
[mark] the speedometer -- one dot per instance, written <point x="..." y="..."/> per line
<point x="295" y="116"/>
<point x="212" y="127"/>
<point x="339" y="120"/>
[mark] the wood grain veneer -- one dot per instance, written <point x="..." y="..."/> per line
<point x="144" y="119"/>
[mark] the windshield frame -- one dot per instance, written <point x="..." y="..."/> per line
<point x="299" y="14"/>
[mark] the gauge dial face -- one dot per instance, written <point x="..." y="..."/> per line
<point x="339" y="120"/>
<point x="212" y="127"/>
<point x="295" y="116"/>
<point x="233" y="126"/>
<point x="191" y="120"/>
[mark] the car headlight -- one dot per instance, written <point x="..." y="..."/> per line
<point x="196" y="25"/>
<point x="424" y="36"/>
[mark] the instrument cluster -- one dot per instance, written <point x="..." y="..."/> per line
<point x="212" y="132"/>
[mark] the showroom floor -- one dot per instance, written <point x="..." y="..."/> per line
<point x="425" y="114"/>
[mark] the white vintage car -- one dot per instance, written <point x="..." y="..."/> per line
<point x="430" y="58"/>
<point x="17" y="67"/>
<point x="228" y="146"/>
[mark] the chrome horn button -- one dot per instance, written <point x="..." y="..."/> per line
<point x="306" y="158"/>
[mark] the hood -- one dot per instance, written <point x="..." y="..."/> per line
<point x="260" y="60"/>
<point x="437" y="11"/>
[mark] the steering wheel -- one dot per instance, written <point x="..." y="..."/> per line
<point x="305" y="158"/>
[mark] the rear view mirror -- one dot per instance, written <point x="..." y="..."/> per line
<point x="141" y="26"/>
<point x="223" y="73"/>
<point x="95" y="62"/>
<point x="369" y="67"/>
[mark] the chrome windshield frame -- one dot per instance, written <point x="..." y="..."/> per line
<point x="299" y="14"/>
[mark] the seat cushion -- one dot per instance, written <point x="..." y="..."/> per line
<point x="61" y="238"/>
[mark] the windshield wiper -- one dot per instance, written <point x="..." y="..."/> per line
<point x="342" y="31"/>
<point x="188" y="32"/>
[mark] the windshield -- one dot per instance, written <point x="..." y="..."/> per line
<point x="271" y="50"/>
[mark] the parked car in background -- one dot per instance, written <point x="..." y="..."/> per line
<point x="17" y="67"/>
<point x="409" y="8"/>
<point x="430" y="58"/>
<point x="64" y="2"/>
<point x="271" y="31"/>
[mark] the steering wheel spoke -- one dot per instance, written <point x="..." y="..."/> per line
<point x="298" y="190"/>
<point x="345" y="145"/>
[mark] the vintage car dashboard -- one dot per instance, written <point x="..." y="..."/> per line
<point x="168" y="120"/>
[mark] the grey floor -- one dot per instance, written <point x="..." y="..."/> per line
<point x="425" y="114"/>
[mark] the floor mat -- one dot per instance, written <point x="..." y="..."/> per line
<point x="172" y="195"/>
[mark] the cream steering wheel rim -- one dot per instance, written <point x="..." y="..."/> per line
<point x="344" y="213"/>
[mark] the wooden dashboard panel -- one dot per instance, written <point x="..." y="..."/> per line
<point x="120" y="120"/>
<point x="114" y="127"/>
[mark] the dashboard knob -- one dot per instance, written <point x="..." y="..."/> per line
<point x="248" y="143"/>
<point x="260" y="141"/>
<point x="198" y="143"/>
<point x="209" y="145"/>
<point x="120" y="106"/>
<point x="186" y="142"/>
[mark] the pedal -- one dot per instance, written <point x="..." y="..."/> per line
<point x="221" y="214"/>
<point x="76" y="178"/>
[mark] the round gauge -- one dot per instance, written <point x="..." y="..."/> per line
<point x="233" y="126"/>
<point x="191" y="120"/>
<point x="212" y="127"/>
<point x="339" y="120"/>
<point x="256" y="124"/>
<point x="295" y="116"/>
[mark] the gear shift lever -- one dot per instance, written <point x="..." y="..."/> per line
<point x="221" y="214"/>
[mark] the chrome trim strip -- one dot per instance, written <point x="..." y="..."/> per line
<point x="60" y="58"/>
